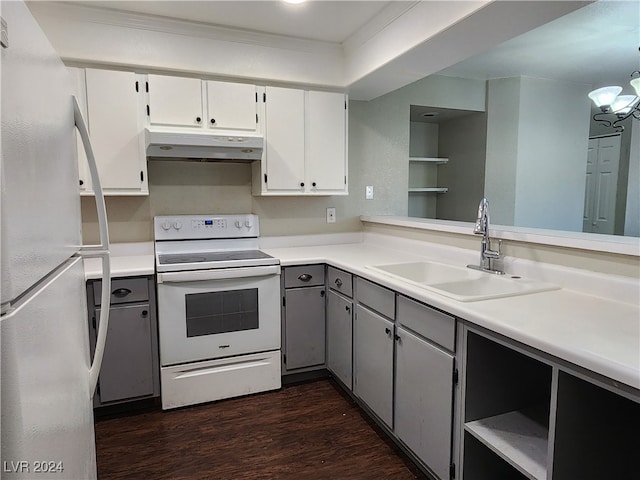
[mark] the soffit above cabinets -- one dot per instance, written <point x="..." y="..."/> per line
<point x="366" y="47"/>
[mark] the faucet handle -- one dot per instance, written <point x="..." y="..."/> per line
<point x="495" y="254"/>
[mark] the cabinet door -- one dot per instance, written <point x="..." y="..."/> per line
<point x="79" y="89"/>
<point x="231" y="106"/>
<point x="304" y="327"/>
<point x="112" y="106"/>
<point x="127" y="365"/>
<point x="175" y="101"/>
<point x="339" y="337"/>
<point x="326" y="141"/>
<point x="284" y="132"/>
<point x="373" y="362"/>
<point x="424" y="400"/>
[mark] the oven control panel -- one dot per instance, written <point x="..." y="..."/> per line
<point x="189" y="227"/>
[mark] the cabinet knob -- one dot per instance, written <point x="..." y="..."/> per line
<point x="347" y="308"/>
<point x="81" y="182"/>
<point x="397" y="338"/>
<point x="338" y="282"/>
<point x="305" y="277"/>
<point x="121" y="292"/>
<point x="313" y="184"/>
<point x="387" y="330"/>
<point x="302" y="184"/>
<point x="322" y="293"/>
<point x="213" y="121"/>
<point x="198" y="119"/>
<point x="145" y="313"/>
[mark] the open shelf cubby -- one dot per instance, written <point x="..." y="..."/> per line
<point x="507" y="406"/>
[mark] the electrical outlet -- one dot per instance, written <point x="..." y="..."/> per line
<point x="368" y="192"/>
<point x="331" y="214"/>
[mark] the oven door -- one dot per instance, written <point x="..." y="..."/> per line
<point x="208" y="314"/>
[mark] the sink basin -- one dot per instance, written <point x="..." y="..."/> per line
<point x="460" y="283"/>
<point x="490" y="286"/>
<point x="428" y="272"/>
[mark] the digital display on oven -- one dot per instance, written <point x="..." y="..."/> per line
<point x="208" y="222"/>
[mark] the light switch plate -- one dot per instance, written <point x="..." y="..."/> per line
<point x="331" y="214"/>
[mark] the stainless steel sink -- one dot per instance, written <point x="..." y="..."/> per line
<point x="461" y="283"/>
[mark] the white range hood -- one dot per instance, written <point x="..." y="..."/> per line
<point x="190" y="144"/>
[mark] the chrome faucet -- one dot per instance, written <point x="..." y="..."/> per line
<point x="487" y="256"/>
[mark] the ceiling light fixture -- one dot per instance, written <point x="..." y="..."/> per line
<point x="294" y="2"/>
<point x="610" y="102"/>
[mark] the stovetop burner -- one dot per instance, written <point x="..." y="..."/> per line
<point x="220" y="256"/>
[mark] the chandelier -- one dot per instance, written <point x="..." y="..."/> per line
<point x="615" y="108"/>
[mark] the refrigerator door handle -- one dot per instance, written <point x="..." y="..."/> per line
<point x="101" y="250"/>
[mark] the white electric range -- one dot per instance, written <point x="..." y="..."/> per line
<point x="218" y="308"/>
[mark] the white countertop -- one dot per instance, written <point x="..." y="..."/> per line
<point x="127" y="260"/>
<point x="581" y="326"/>
<point x="596" y="333"/>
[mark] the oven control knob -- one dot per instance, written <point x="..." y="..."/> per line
<point x="165" y="225"/>
<point x="177" y="225"/>
<point x="247" y="223"/>
<point x="238" y="224"/>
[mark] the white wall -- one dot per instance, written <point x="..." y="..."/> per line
<point x="553" y="138"/>
<point x="537" y="135"/>
<point x="632" y="214"/>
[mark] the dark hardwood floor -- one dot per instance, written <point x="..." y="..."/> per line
<point x="305" y="431"/>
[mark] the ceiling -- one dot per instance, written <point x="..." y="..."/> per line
<point x="596" y="45"/>
<point x="326" y="21"/>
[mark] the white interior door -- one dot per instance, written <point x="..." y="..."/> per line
<point x="601" y="185"/>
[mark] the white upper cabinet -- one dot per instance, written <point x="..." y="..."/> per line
<point x="326" y="141"/>
<point x="191" y="102"/>
<point x="175" y="101"/>
<point x="232" y="106"/>
<point x="284" y="143"/>
<point x="110" y="102"/>
<point x="78" y="85"/>
<point x="305" y="144"/>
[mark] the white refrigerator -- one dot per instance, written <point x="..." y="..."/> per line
<point x="47" y="378"/>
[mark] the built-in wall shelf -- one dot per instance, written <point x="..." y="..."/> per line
<point x="517" y="439"/>
<point x="428" y="190"/>
<point x="436" y="160"/>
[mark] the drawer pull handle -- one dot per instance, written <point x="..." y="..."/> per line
<point x="338" y="282"/>
<point x="121" y="292"/>
<point x="305" y="277"/>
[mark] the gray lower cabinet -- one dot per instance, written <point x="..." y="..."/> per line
<point x="303" y="318"/>
<point x="373" y="362"/>
<point x="127" y="365"/>
<point x="130" y="366"/>
<point x="424" y="400"/>
<point x="304" y="327"/>
<point x="340" y="337"/>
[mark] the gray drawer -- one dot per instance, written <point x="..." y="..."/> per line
<point x="431" y="324"/>
<point x="340" y="281"/>
<point x="378" y="298"/>
<point x="124" y="290"/>
<point x="303" y="276"/>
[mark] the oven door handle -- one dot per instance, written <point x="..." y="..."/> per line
<point x="218" y="274"/>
